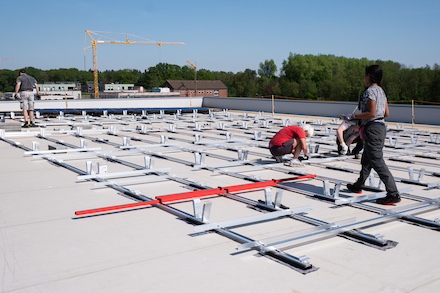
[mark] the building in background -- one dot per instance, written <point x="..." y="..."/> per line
<point x="199" y="88"/>
<point x="182" y="88"/>
<point x="59" y="90"/>
<point x="119" y="88"/>
<point x="87" y="87"/>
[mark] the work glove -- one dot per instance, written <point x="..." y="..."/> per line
<point x="301" y="158"/>
<point x="348" y="117"/>
<point x="16" y="96"/>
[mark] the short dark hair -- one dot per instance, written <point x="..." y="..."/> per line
<point x="375" y="73"/>
<point x="22" y="71"/>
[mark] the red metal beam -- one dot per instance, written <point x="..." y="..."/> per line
<point x="189" y="195"/>
<point x="177" y="197"/>
<point x="159" y="200"/>
<point x="117" y="208"/>
<point x="295" y="178"/>
<point x="243" y="187"/>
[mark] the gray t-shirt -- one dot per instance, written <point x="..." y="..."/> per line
<point x="27" y="82"/>
<point x="377" y="94"/>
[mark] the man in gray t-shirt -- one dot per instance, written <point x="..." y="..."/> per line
<point x="24" y="91"/>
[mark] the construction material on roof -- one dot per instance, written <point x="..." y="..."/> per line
<point x="213" y="171"/>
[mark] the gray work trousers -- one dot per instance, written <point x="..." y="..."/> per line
<point x="372" y="158"/>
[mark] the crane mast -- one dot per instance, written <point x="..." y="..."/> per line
<point x="195" y="76"/>
<point x="94" y="42"/>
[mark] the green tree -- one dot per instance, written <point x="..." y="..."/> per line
<point x="268" y="81"/>
<point x="322" y="77"/>
<point x="434" y="87"/>
<point x="246" y="83"/>
<point x="7" y="80"/>
<point x="267" y="69"/>
<point x="157" y="75"/>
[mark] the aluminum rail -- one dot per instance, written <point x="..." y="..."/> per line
<point x="300" y="264"/>
<point x="350" y="234"/>
<point x="407" y="218"/>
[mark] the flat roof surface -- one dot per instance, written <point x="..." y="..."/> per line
<point x="194" y="202"/>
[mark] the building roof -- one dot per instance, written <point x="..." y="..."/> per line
<point x="194" y="202"/>
<point x="191" y="85"/>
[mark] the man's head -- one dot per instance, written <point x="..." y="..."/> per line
<point x="22" y="71"/>
<point x="308" y="129"/>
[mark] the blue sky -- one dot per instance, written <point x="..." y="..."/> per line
<point x="219" y="35"/>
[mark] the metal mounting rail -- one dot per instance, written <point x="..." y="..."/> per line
<point x="352" y="234"/>
<point x="403" y="180"/>
<point x="355" y="235"/>
<point x="250" y="220"/>
<point x="403" y="212"/>
<point x="406" y="218"/>
<point x="320" y="231"/>
<point x="61" y="151"/>
<point x="321" y="227"/>
<point x="426" y="205"/>
<point x="416" y="220"/>
<point x="300" y="264"/>
<point x="221" y="144"/>
<point x="122" y="174"/>
<point x="78" y="171"/>
<point x="239" y="162"/>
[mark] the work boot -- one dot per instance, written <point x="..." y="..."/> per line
<point x="354" y="188"/>
<point x="279" y="159"/>
<point x="389" y="199"/>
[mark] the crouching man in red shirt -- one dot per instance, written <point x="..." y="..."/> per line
<point x="291" y="140"/>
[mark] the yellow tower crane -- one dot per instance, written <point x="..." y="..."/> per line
<point x="95" y="39"/>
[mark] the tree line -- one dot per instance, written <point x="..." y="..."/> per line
<point x="321" y="77"/>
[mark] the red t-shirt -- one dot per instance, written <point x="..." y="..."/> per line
<point x="286" y="134"/>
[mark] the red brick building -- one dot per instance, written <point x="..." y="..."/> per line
<point x="204" y="88"/>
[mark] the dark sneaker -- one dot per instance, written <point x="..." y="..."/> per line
<point x="357" y="156"/>
<point x="32" y="124"/>
<point x="389" y="199"/>
<point x="25" y="125"/>
<point x="354" y="188"/>
<point x="279" y="159"/>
